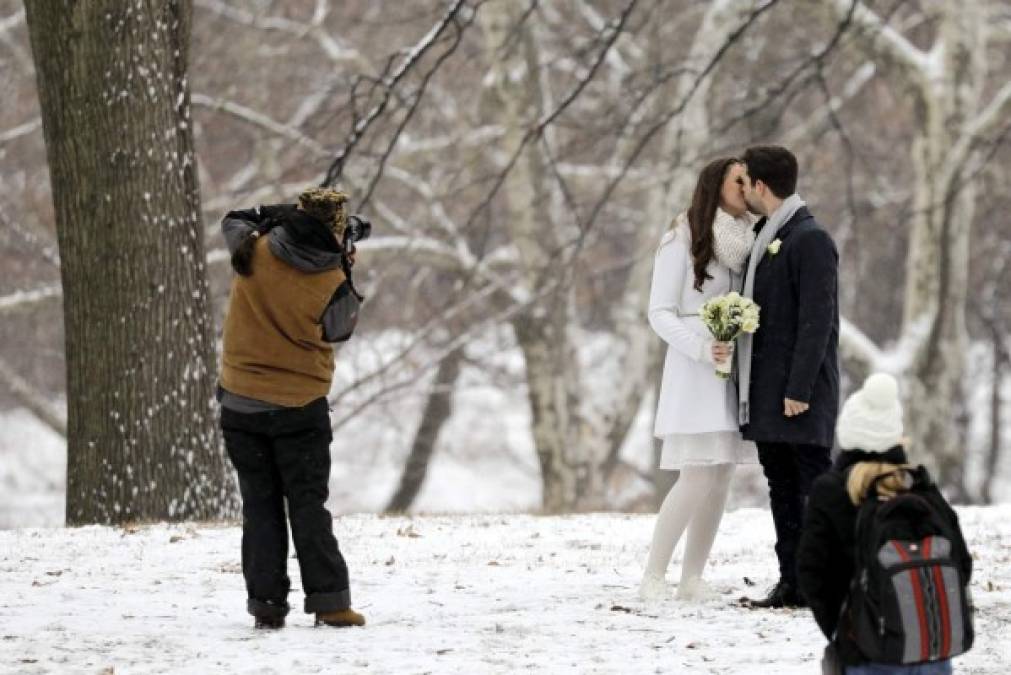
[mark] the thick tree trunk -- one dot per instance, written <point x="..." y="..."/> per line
<point x="438" y="408"/>
<point x="937" y="282"/>
<point x="142" y="443"/>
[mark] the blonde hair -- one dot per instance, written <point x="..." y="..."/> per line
<point x="862" y="474"/>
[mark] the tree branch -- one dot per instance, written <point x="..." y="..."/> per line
<point x="20" y="299"/>
<point x="823" y="115"/>
<point x="885" y="40"/>
<point x="413" y="106"/>
<point x="7" y="26"/>
<point x="994" y="113"/>
<point x="647" y="138"/>
<point x="31" y="399"/>
<point x="538" y="129"/>
<point x="388" y="84"/>
<point x="335" y="51"/>
<point x="856" y="347"/>
<point x="21" y="130"/>
<point x="14" y="20"/>
<point x="259" y="119"/>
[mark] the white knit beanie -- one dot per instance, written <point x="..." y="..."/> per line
<point x="871" y="419"/>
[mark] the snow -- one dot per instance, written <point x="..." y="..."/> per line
<point x="446" y="594"/>
<point x="33" y="471"/>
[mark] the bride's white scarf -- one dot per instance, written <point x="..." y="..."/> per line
<point x="732" y="239"/>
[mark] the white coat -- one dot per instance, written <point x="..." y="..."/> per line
<point x="693" y="399"/>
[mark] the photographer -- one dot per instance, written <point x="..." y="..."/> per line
<point x="291" y="299"/>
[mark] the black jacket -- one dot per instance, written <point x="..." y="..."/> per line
<point x="825" y="556"/>
<point x="796" y="349"/>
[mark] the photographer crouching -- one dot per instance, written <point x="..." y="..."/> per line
<point x="291" y="299"/>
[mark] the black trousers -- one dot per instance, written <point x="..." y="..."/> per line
<point x="790" y="470"/>
<point x="285" y="455"/>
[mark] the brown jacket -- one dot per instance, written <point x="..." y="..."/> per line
<point x="273" y="340"/>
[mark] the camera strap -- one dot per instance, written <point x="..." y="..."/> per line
<point x="346" y="267"/>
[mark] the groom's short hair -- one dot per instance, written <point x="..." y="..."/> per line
<point x="775" y="166"/>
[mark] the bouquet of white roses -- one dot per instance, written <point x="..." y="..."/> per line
<point x="726" y="317"/>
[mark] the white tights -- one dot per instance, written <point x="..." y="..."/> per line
<point x="696" y="501"/>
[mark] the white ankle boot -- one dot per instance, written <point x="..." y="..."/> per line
<point x="696" y="590"/>
<point x="653" y="587"/>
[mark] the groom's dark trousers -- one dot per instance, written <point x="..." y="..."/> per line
<point x="791" y="470"/>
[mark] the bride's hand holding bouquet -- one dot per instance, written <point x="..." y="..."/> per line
<point x="726" y="317"/>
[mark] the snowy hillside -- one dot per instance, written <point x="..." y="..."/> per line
<point x="452" y="594"/>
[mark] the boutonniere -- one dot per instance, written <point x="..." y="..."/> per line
<point x="773" y="248"/>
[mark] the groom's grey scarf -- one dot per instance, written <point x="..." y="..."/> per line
<point x="745" y="343"/>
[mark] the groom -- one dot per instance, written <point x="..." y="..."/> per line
<point x="789" y="371"/>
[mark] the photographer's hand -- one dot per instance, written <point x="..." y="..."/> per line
<point x="351" y="255"/>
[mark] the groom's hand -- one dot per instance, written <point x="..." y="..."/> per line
<point x="793" y="408"/>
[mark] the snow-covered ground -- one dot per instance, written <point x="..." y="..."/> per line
<point x="443" y="594"/>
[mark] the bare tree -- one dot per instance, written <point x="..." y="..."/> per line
<point x="953" y="115"/>
<point x="114" y="93"/>
<point x="438" y="408"/>
<point x="521" y="161"/>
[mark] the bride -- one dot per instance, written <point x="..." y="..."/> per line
<point x="701" y="257"/>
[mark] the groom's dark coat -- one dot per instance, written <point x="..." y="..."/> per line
<point x="796" y="348"/>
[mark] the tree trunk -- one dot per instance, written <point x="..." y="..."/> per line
<point x="570" y="455"/>
<point x="569" y="473"/>
<point x="948" y="81"/>
<point x="438" y="409"/>
<point x="936" y="294"/>
<point x="114" y="94"/>
<point x="937" y="282"/>
<point x="1000" y="361"/>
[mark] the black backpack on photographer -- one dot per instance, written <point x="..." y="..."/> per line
<point x="909" y="600"/>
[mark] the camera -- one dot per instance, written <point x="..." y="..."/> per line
<point x="358" y="228"/>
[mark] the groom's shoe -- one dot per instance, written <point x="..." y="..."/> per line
<point x="782" y="594"/>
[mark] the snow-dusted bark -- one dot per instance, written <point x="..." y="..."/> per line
<point x="114" y="94"/>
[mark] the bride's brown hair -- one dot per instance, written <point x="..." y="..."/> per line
<point x="702" y="213"/>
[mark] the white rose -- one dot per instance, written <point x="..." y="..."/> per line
<point x="773" y="248"/>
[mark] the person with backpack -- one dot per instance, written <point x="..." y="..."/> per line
<point x="291" y="299"/>
<point x="882" y="561"/>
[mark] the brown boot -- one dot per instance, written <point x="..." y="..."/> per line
<point x="340" y="619"/>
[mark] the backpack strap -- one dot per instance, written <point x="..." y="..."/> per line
<point x="346" y="268"/>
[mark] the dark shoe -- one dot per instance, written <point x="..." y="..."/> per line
<point x="782" y="595"/>
<point x="269" y="622"/>
<point x="342" y="619"/>
<point x="268" y="614"/>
